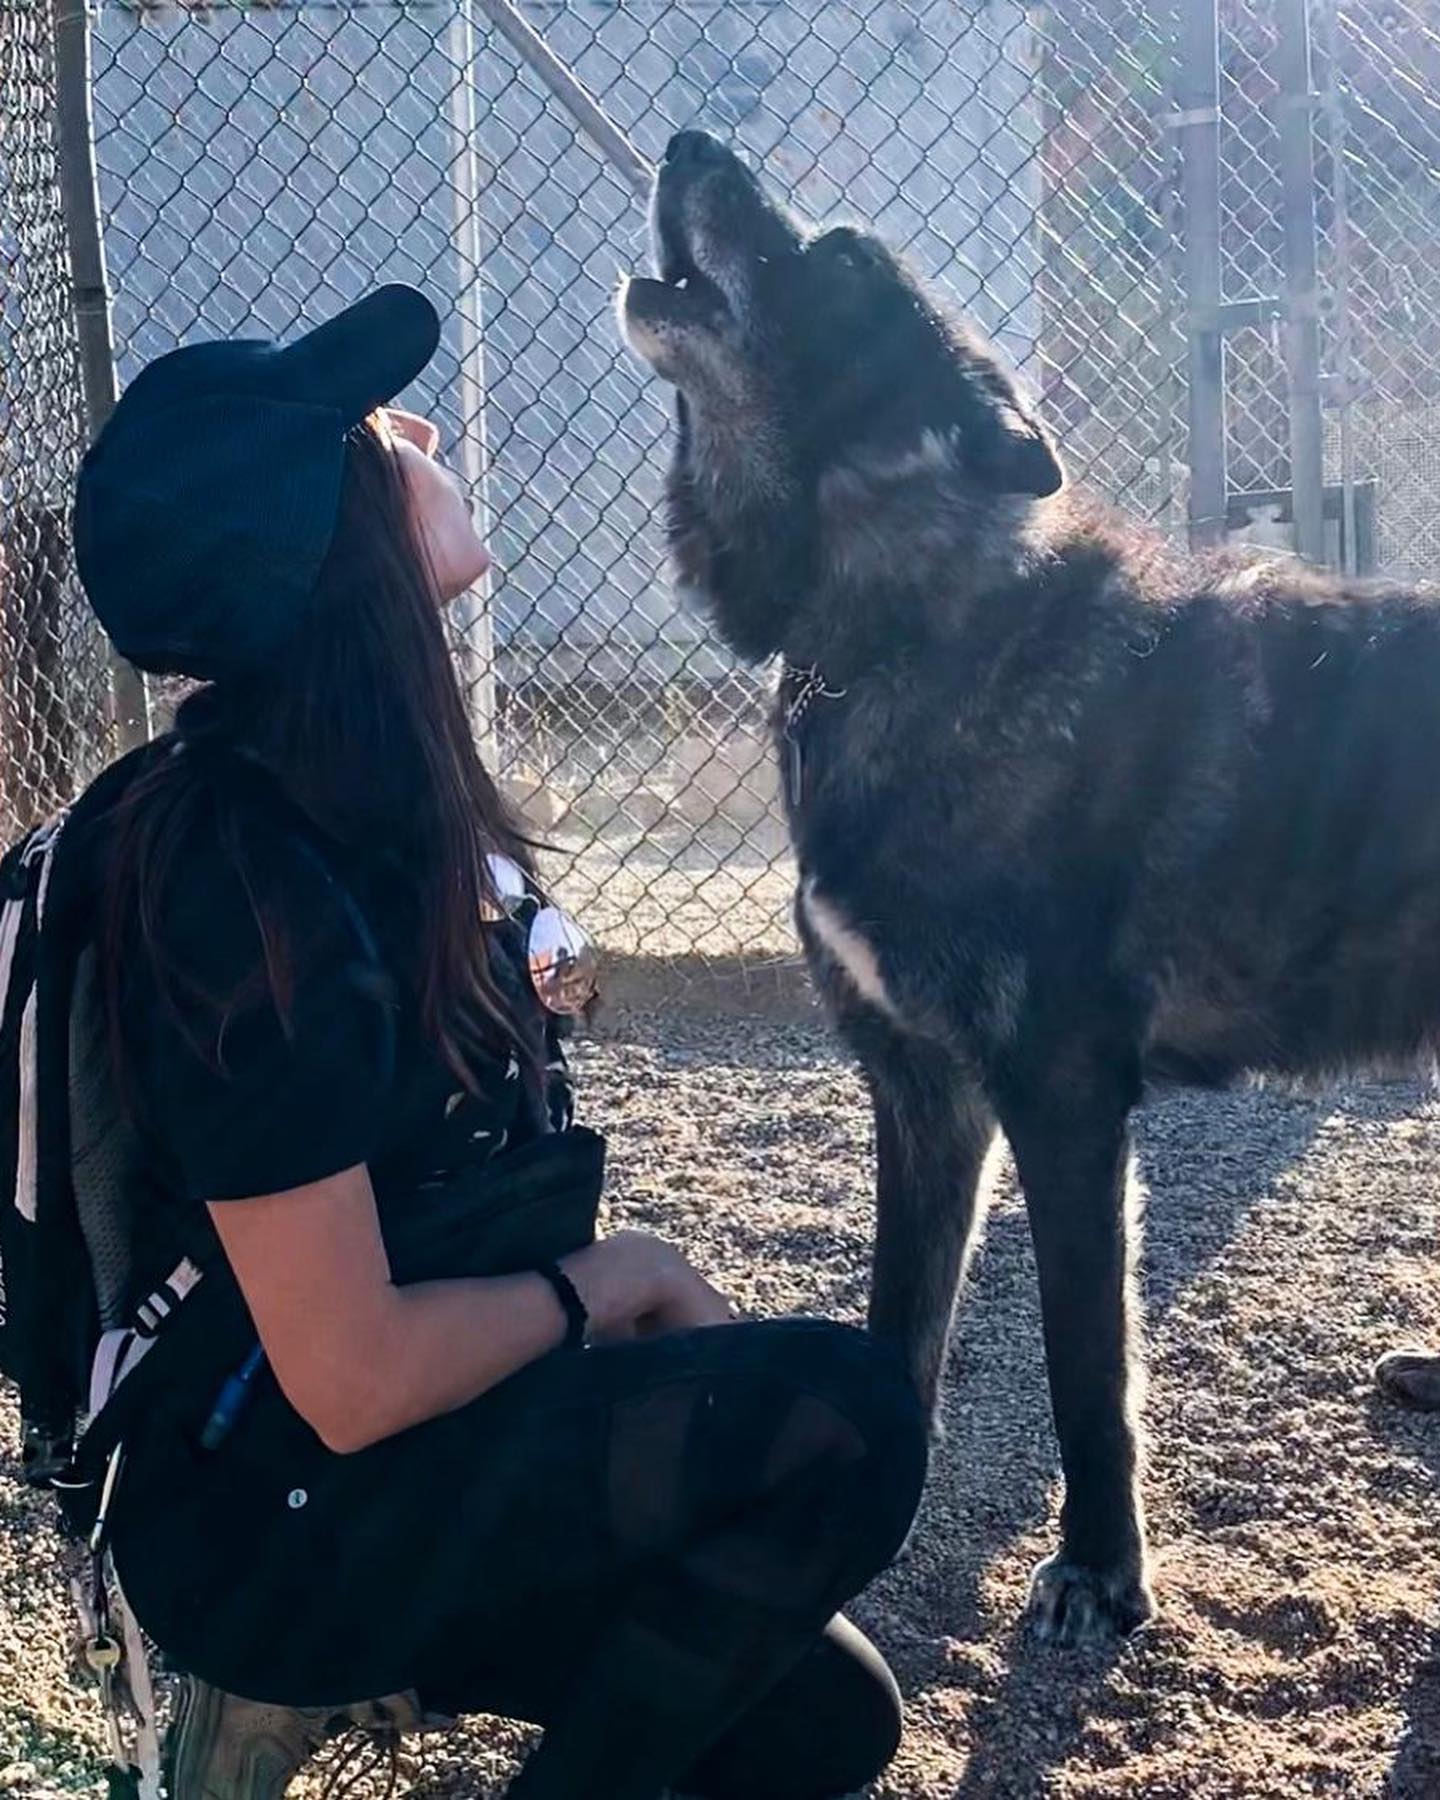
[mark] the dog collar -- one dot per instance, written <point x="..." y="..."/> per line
<point x="801" y="688"/>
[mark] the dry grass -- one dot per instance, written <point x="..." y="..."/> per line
<point x="1294" y="1516"/>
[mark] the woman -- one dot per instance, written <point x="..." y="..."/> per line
<point x="322" y="1025"/>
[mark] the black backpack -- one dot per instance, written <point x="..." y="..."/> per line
<point x="24" y="884"/>
<point x="64" y="1142"/>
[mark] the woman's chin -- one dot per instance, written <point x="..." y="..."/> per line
<point x="461" y="580"/>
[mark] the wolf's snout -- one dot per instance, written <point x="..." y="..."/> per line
<point x="690" y="147"/>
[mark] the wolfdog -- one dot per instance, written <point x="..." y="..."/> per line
<point x="1069" y="810"/>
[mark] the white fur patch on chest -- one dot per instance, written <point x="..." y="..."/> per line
<point x="848" y="947"/>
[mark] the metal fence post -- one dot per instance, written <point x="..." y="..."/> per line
<point x="1344" y="371"/>
<point x="592" y="119"/>
<point x="1197" y="124"/>
<point x="1295" y="133"/>
<point x="89" y="289"/>
<point x="474" y="613"/>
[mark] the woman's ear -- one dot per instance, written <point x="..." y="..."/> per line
<point x="424" y="434"/>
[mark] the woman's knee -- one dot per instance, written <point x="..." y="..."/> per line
<point x="813" y="1425"/>
<point x="865" y="1379"/>
<point x="854" y="1413"/>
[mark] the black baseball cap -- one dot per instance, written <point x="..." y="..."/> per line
<point x="205" y="508"/>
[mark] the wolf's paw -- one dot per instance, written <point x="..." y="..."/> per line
<point x="1072" y="1605"/>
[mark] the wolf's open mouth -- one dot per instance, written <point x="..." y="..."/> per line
<point x="679" y="271"/>
<point x="685" y="300"/>
<point x="699" y="290"/>
<point x="677" y="266"/>
<point x="678" y="291"/>
<point x="709" y="222"/>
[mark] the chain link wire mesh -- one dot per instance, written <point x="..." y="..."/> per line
<point x="54" y="729"/>
<point x="1379" y="170"/>
<point x="1252" y="248"/>
<point x="1110" y="345"/>
<point x="1375" y="112"/>
<point x="262" y="164"/>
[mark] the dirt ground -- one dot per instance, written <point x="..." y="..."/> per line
<point x="1294" y="1517"/>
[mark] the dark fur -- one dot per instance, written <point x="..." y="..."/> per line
<point x="1096" y="812"/>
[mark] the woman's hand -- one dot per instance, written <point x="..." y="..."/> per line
<point x="635" y="1285"/>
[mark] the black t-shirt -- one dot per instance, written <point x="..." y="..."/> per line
<point x="276" y="1072"/>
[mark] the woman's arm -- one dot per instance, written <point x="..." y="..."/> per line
<point x="360" y="1359"/>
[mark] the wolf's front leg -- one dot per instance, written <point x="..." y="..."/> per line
<point x="1066" y="1115"/>
<point x="933" y="1128"/>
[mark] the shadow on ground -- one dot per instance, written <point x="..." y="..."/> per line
<point x="750" y="1144"/>
<point x="1206" y="1160"/>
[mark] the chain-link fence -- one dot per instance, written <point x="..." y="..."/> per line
<point x="52" y="668"/>
<point x="1375" y="115"/>
<point x="262" y="164"/>
<point x="1380" y="171"/>
<point x="259" y="167"/>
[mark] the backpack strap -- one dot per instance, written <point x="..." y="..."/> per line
<point x="13" y="907"/>
<point x="40" y="858"/>
<point x="121" y="1349"/>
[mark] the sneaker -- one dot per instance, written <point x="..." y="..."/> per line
<point x="220" y="1747"/>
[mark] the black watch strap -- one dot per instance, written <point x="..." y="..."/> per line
<point x="577" y="1319"/>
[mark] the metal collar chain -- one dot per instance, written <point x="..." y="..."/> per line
<point x="805" y="687"/>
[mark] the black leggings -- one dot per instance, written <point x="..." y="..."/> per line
<point x="638" y="1547"/>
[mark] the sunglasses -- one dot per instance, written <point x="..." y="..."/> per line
<point x="564" y="969"/>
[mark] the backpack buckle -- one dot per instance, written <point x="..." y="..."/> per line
<point x="47" y="1449"/>
<point x="102" y="1655"/>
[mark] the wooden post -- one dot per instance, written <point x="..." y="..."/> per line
<point x="89" y="289"/>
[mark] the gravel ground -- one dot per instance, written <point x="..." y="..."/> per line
<point x="1294" y="1516"/>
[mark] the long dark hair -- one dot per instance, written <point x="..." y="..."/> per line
<point x="364" y="727"/>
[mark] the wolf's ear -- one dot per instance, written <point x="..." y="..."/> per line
<point x="1016" y="455"/>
